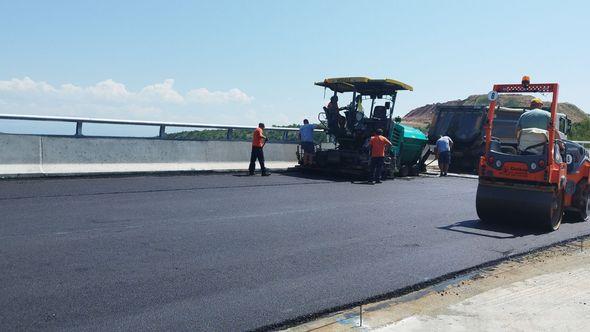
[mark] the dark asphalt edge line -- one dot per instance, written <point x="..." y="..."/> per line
<point x="161" y="190"/>
<point x="412" y="288"/>
<point x="107" y="175"/>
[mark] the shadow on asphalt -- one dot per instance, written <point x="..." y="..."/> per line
<point x="338" y="177"/>
<point x="495" y="231"/>
<point x="243" y="175"/>
<point x="316" y="175"/>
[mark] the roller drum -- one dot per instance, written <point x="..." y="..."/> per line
<point x="511" y="204"/>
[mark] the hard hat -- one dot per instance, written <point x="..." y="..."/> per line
<point x="526" y="80"/>
<point x="536" y="101"/>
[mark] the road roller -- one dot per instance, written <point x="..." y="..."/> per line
<point x="537" y="184"/>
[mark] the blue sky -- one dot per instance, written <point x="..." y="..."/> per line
<point x="241" y="62"/>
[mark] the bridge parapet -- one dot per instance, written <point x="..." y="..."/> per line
<point x="43" y="155"/>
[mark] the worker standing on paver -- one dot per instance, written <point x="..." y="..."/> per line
<point x="378" y="144"/>
<point x="306" y="142"/>
<point x="258" y="141"/>
<point x="443" y="153"/>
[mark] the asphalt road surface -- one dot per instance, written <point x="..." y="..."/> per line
<point x="226" y="252"/>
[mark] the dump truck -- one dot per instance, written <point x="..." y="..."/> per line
<point x="350" y="128"/>
<point x="465" y="126"/>
<point x="545" y="176"/>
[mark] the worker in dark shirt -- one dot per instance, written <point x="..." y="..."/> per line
<point x="336" y="122"/>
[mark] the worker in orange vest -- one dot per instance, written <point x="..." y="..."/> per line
<point x="258" y="141"/>
<point x="378" y="144"/>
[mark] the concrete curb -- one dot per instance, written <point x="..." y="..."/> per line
<point x="455" y="175"/>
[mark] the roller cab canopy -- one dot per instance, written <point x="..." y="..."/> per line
<point x="364" y="85"/>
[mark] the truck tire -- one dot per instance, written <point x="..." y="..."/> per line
<point x="404" y="171"/>
<point x="582" y="206"/>
<point x="553" y="221"/>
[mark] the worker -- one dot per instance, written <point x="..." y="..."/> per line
<point x="378" y="144"/>
<point x="351" y="113"/>
<point x="306" y="142"/>
<point x="443" y="153"/>
<point x="533" y="118"/>
<point x="531" y="129"/>
<point x="258" y="141"/>
<point x="359" y="104"/>
<point x="336" y="122"/>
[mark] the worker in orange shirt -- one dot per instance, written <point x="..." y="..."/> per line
<point x="378" y="144"/>
<point x="258" y="141"/>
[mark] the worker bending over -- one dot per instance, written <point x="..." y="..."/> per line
<point x="443" y="153"/>
<point x="379" y="144"/>
<point x="258" y="141"/>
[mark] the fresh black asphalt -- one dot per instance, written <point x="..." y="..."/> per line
<point x="227" y="252"/>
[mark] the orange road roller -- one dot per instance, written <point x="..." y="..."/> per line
<point x="540" y="181"/>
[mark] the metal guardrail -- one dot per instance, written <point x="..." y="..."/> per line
<point x="162" y="125"/>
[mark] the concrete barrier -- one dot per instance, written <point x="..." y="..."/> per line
<point x="27" y="155"/>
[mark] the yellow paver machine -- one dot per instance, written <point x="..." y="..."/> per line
<point x="352" y="125"/>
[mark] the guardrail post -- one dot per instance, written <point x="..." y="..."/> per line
<point x="230" y="134"/>
<point x="162" y="132"/>
<point x="79" y="128"/>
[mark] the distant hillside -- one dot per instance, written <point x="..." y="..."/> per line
<point x="242" y="135"/>
<point x="422" y="116"/>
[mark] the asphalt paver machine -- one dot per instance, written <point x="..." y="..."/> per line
<point x="536" y="183"/>
<point x="352" y="125"/>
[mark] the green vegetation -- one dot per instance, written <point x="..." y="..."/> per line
<point x="243" y="135"/>
<point x="580" y="131"/>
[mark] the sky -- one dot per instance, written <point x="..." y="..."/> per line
<point x="243" y="62"/>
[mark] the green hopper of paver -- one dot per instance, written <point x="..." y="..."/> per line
<point x="408" y="145"/>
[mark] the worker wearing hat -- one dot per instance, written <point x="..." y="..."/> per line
<point x="379" y="145"/>
<point x="258" y="142"/>
<point x="536" y="117"/>
<point x="531" y="122"/>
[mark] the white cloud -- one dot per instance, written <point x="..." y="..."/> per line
<point x="25" y="85"/>
<point x="111" y="99"/>
<point x="109" y="91"/>
<point x="162" y="92"/>
<point x="204" y="96"/>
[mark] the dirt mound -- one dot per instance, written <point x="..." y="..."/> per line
<point x="422" y="116"/>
